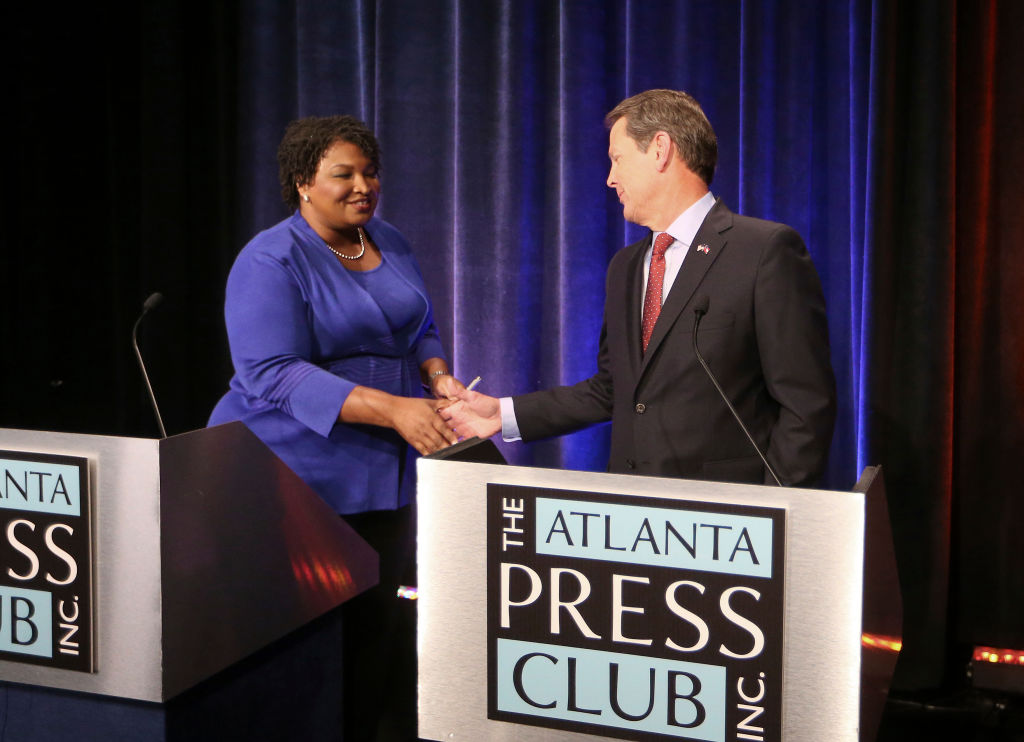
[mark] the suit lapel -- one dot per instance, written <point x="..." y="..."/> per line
<point x="707" y="245"/>
<point x="634" y="289"/>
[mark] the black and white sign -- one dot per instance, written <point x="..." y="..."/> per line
<point x="639" y="618"/>
<point x="46" y="598"/>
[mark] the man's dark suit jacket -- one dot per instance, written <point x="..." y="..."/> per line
<point x="765" y="337"/>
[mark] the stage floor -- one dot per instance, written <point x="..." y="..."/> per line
<point x="967" y="716"/>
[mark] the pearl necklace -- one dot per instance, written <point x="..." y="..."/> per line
<point x="362" y="248"/>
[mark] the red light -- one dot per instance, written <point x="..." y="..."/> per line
<point x="877" y="641"/>
<point x="999" y="656"/>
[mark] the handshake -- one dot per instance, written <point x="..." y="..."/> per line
<point x="467" y="413"/>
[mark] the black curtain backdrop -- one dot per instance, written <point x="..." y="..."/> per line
<point x="912" y="332"/>
<point x="987" y="512"/>
<point x="143" y="148"/>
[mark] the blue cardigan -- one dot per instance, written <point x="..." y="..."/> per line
<point x="303" y="333"/>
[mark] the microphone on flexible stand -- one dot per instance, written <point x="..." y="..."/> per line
<point x="699" y="310"/>
<point x="153" y="300"/>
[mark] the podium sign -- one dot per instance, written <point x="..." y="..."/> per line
<point x="46" y="606"/>
<point x="600" y="613"/>
<point x="574" y="605"/>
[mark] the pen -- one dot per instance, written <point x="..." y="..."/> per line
<point x="472" y="384"/>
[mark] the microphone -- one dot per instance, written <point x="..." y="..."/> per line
<point x="151" y="301"/>
<point x="700" y="308"/>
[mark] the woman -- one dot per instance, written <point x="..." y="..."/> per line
<point x="331" y="337"/>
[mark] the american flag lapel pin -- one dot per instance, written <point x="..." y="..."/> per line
<point x="704" y="249"/>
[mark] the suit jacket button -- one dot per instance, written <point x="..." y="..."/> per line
<point x="630" y="464"/>
<point x="641" y="408"/>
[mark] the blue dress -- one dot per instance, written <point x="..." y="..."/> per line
<point x="303" y="333"/>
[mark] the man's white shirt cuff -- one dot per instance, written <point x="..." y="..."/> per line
<point x="509" y="424"/>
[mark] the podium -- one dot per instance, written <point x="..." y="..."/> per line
<point x="188" y="554"/>
<point x="566" y="605"/>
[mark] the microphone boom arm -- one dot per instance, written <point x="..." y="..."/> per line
<point x="151" y="302"/>
<point x="699" y="313"/>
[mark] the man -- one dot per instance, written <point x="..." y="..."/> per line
<point x="763" y="334"/>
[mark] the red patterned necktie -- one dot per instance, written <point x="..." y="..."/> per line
<point x="655" y="280"/>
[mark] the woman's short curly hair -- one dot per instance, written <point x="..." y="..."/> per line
<point x="306" y="141"/>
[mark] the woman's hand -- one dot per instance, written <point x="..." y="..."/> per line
<point x="445" y="386"/>
<point x="417" y="421"/>
<point x="436" y="377"/>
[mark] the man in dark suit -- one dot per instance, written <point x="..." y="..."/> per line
<point x="764" y="333"/>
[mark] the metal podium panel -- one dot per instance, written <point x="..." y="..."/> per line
<point x="822" y="597"/>
<point x="249" y="552"/>
<point x="126" y="576"/>
<point x="206" y="547"/>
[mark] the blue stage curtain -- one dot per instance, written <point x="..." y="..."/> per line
<point x="490" y="116"/>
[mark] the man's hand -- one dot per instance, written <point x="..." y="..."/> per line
<point x="473" y="414"/>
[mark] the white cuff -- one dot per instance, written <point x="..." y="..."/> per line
<point x="509" y="424"/>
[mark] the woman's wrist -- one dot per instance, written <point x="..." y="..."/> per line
<point x="432" y="379"/>
<point x="370" y="406"/>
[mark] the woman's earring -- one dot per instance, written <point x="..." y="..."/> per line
<point x="305" y="197"/>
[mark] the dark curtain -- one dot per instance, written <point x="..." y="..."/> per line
<point x="122" y="128"/>
<point x="945" y="402"/>
<point x="912" y="335"/>
<point x="885" y="132"/>
<point x="987" y="510"/>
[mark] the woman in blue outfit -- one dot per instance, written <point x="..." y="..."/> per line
<point x="332" y="338"/>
